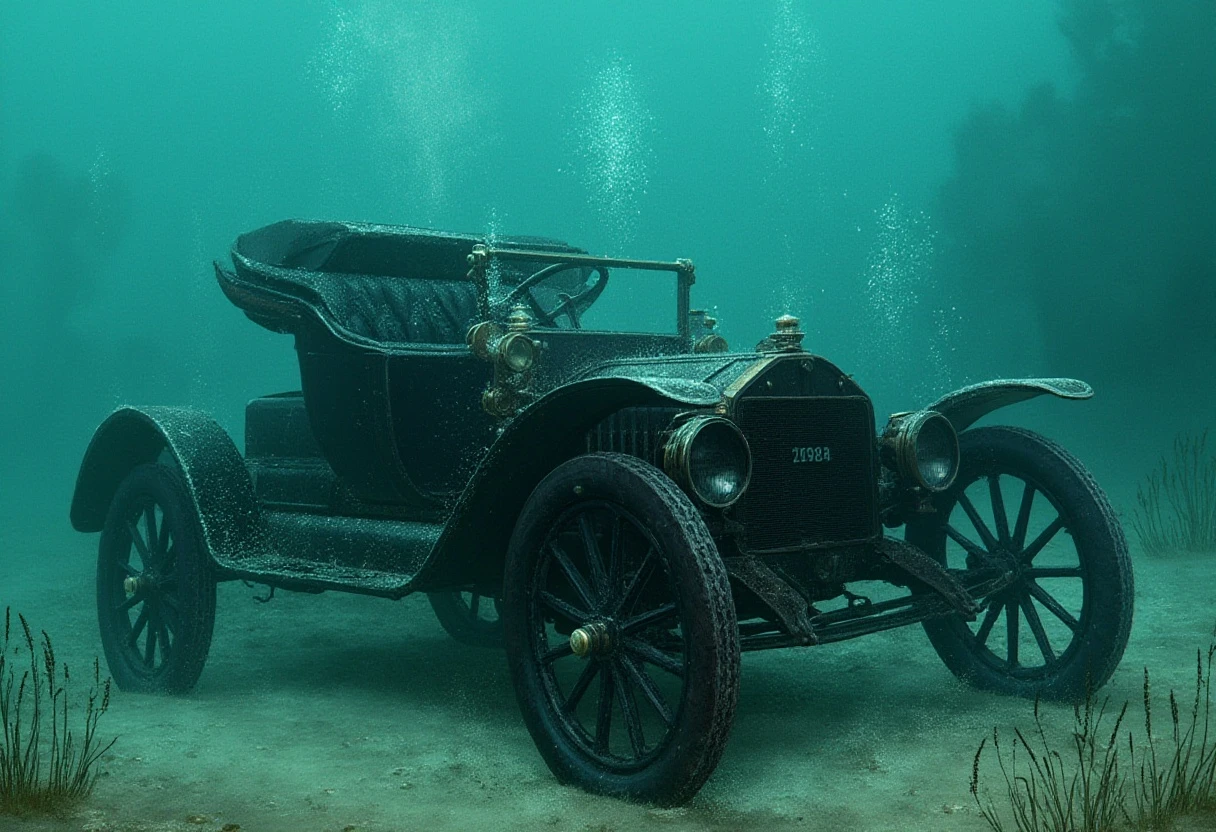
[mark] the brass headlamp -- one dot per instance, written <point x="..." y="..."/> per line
<point x="922" y="447"/>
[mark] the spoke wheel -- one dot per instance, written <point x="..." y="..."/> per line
<point x="155" y="588"/>
<point x="469" y="617"/>
<point x="620" y="631"/>
<point x="1023" y="505"/>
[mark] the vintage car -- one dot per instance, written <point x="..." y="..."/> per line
<point x="625" y="512"/>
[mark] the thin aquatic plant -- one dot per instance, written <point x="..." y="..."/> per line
<point x="1185" y="781"/>
<point x="41" y="773"/>
<point x="1088" y="793"/>
<point x="1079" y="791"/>
<point x="1177" y="502"/>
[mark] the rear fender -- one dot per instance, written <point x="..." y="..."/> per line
<point x="473" y="546"/>
<point x="967" y="406"/>
<point x="210" y="464"/>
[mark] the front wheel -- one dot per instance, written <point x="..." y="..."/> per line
<point x="1023" y="504"/>
<point x="155" y="585"/>
<point x="620" y="631"/>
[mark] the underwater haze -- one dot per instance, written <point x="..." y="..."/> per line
<point x="943" y="192"/>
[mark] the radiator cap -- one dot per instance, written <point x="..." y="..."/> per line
<point x="788" y="337"/>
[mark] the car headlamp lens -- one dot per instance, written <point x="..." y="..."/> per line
<point x="936" y="454"/>
<point x="924" y="448"/>
<point x="517" y="351"/>
<point x="710" y="459"/>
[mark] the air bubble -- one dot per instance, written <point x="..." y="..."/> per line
<point x="910" y="337"/>
<point x="613" y="127"/>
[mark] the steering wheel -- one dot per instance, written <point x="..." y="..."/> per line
<point x="570" y="306"/>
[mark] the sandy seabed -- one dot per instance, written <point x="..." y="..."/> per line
<point x="337" y="712"/>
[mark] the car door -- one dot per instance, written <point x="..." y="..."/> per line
<point x="440" y="428"/>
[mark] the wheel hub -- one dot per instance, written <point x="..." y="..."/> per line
<point x="145" y="582"/>
<point x="591" y="639"/>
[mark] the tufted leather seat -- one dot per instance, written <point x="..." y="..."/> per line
<point x="394" y="309"/>
<point x="372" y="284"/>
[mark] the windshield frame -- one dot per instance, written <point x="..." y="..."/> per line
<point x="685" y="272"/>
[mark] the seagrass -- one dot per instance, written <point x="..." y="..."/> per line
<point x="1087" y="787"/>
<point x="45" y="765"/>
<point x="1176" y="509"/>
<point x="1078" y="791"/>
<point x="1185" y="781"/>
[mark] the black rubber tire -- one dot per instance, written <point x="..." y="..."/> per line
<point x="191" y="585"/>
<point x="693" y="745"/>
<point x="458" y="619"/>
<point x="1108" y="591"/>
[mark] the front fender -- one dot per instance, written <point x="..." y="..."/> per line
<point x="967" y="406"/>
<point x="212" y="467"/>
<point x="473" y="546"/>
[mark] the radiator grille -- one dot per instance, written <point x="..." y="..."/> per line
<point x="637" y="431"/>
<point x="798" y="497"/>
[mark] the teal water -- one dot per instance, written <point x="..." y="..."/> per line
<point x="943" y="192"/>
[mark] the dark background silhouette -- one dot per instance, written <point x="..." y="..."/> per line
<point x="1089" y="216"/>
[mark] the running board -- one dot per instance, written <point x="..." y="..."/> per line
<point x="314" y="553"/>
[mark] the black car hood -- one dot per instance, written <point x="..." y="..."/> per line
<point x="698" y="380"/>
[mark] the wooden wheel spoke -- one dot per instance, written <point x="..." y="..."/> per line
<point x="153" y="538"/>
<point x="655" y="656"/>
<point x="166" y="537"/>
<point x="998" y="508"/>
<point x="638" y="582"/>
<point x="990" y="617"/>
<point x="137" y="598"/>
<point x="170" y="614"/>
<point x="474" y="604"/>
<point x="1045" y="536"/>
<point x="580" y="686"/>
<point x="165" y="644"/>
<point x="978" y="522"/>
<point x="137" y="540"/>
<point x="562" y="650"/>
<point x="595" y="559"/>
<point x="1023" y="521"/>
<point x="577" y="582"/>
<point x="168" y="558"/>
<point x="1036" y="627"/>
<point x="629" y="709"/>
<point x="614" y="552"/>
<point x="603" y="719"/>
<point x="650" y="619"/>
<point x="1011" y="633"/>
<point x="649" y="689"/>
<point x="562" y="608"/>
<point x="150" y="645"/>
<point x="131" y="571"/>
<point x="970" y="546"/>
<point x="1053" y="606"/>
<point x="141" y="621"/>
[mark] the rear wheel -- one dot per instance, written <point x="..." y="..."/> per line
<point x="155" y="585"/>
<point x="1025" y="505"/>
<point x="469" y="617"/>
<point x="620" y="631"/>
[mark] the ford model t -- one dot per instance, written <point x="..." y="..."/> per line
<point x="624" y="512"/>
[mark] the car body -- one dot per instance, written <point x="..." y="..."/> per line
<point x="639" y="507"/>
